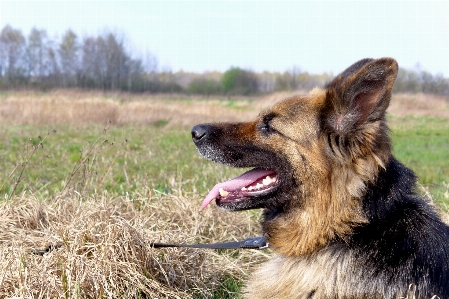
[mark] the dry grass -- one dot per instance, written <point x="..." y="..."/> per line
<point x="105" y="250"/>
<point x="76" y="107"/>
<point x="105" y="237"/>
<point x="419" y="105"/>
<point x="80" y="107"/>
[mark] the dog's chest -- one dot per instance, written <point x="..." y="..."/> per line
<point x="284" y="277"/>
<point x="328" y="274"/>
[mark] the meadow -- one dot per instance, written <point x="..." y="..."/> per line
<point x="101" y="175"/>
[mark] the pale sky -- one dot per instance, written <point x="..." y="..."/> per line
<point x="317" y="36"/>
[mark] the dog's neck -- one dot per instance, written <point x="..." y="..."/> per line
<point x="321" y="218"/>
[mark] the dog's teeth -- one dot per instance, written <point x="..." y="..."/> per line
<point x="250" y="188"/>
<point x="223" y="193"/>
<point x="258" y="186"/>
<point x="268" y="180"/>
<point x="244" y="189"/>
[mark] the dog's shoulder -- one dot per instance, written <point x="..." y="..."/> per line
<point x="396" y="211"/>
<point x="404" y="243"/>
<point x="406" y="239"/>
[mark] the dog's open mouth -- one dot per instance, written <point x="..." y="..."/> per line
<point x="253" y="183"/>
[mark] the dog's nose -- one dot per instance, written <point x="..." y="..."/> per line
<point x="198" y="132"/>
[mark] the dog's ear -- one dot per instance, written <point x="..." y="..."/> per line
<point x="360" y="94"/>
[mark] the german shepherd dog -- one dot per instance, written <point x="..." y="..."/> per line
<point x="340" y="212"/>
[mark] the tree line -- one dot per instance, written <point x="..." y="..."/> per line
<point x="105" y="62"/>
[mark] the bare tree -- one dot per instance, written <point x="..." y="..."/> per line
<point x="12" y="47"/>
<point x="37" y="53"/>
<point x="68" y="54"/>
<point x="117" y="61"/>
<point x="267" y="81"/>
<point x="295" y="71"/>
<point x="92" y="74"/>
<point x="53" y="64"/>
<point x="150" y="63"/>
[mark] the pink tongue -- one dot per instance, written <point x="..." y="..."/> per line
<point x="236" y="184"/>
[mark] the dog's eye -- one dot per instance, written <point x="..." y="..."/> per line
<point x="267" y="128"/>
<point x="265" y="125"/>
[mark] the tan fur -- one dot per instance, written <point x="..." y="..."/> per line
<point x="332" y="208"/>
<point x="338" y="219"/>
<point x="333" y="193"/>
<point x="321" y="275"/>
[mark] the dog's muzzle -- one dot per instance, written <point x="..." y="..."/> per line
<point x="199" y="132"/>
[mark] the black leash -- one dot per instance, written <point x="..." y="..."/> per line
<point x="46" y="249"/>
<point x="250" y="243"/>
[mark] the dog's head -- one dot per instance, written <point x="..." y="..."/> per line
<point x="311" y="156"/>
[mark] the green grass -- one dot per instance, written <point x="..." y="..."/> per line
<point x="230" y="289"/>
<point x="422" y="144"/>
<point x="124" y="160"/>
<point x="137" y="160"/>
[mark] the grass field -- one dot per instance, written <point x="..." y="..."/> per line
<point x="104" y="174"/>
<point x="422" y="143"/>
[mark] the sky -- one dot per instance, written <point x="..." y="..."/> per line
<point x="199" y="36"/>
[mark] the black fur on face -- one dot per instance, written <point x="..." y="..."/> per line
<point x="220" y="143"/>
